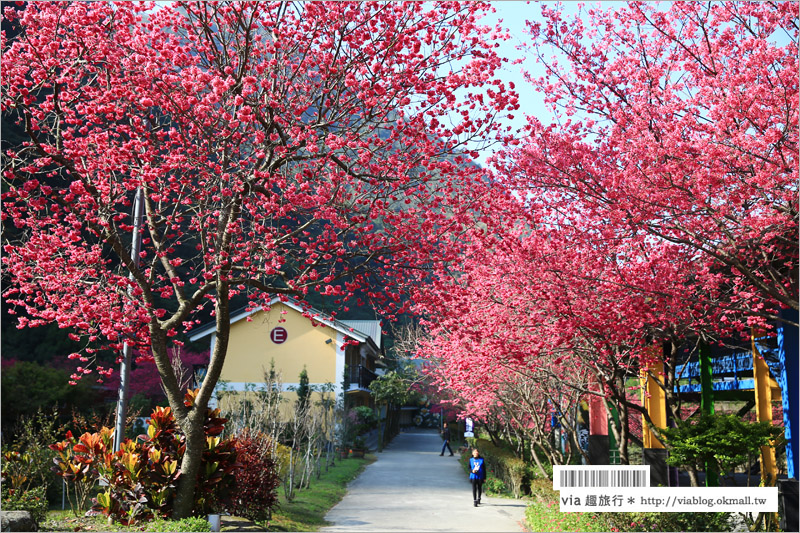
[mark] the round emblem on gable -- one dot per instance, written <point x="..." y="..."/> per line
<point x="278" y="335"/>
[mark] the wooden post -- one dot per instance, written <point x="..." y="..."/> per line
<point x="654" y="401"/>
<point x="763" y="394"/>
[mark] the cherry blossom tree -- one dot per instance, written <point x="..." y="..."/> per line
<point x="677" y="125"/>
<point x="537" y="309"/>
<point x="521" y="327"/>
<point x="280" y="148"/>
<point x="661" y="205"/>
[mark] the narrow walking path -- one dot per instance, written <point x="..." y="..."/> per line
<point x="411" y="488"/>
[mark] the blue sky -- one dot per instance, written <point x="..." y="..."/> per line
<point x="514" y="13"/>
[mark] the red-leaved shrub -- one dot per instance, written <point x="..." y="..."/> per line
<point x="257" y="481"/>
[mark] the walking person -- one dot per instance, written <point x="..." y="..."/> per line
<point x="446" y="437"/>
<point x="477" y="474"/>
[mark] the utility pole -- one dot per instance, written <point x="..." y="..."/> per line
<point x="125" y="366"/>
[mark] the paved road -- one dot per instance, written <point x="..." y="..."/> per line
<point x="411" y="488"/>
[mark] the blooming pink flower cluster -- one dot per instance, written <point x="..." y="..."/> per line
<point x="280" y="149"/>
<point x="661" y="205"/>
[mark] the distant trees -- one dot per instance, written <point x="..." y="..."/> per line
<point x="29" y="387"/>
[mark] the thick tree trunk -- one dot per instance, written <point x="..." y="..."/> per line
<point x="624" y="458"/>
<point x="192" y="427"/>
<point x="187" y="420"/>
<point x="190" y="419"/>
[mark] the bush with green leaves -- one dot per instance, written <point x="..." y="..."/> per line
<point x="723" y="441"/>
<point x="541" y="490"/>
<point x="533" y="475"/>
<point x="185" y="524"/>
<point x="391" y="388"/>
<point x="363" y="419"/>
<point x="33" y="500"/>
<point x="510" y="470"/>
<point x="515" y="472"/>
<point x="664" y="521"/>
<point x="27" y="461"/>
<point x="494" y="485"/>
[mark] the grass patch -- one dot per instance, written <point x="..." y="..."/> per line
<point x="308" y="509"/>
<point x="66" y="521"/>
<point x="58" y="520"/>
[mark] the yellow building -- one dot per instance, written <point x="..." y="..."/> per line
<point x="323" y="345"/>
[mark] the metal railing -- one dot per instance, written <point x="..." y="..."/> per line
<point x="360" y="377"/>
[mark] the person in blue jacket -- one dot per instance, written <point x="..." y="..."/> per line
<point x="477" y="474"/>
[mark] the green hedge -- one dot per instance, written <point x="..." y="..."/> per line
<point x="502" y="464"/>
<point x="33" y="500"/>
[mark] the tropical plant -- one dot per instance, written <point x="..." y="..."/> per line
<point x="77" y="467"/>
<point x="723" y="442"/>
<point x="142" y="477"/>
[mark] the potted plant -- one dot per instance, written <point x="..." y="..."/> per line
<point x="344" y="437"/>
<point x="359" y="447"/>
<point x="344" y="451"/>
